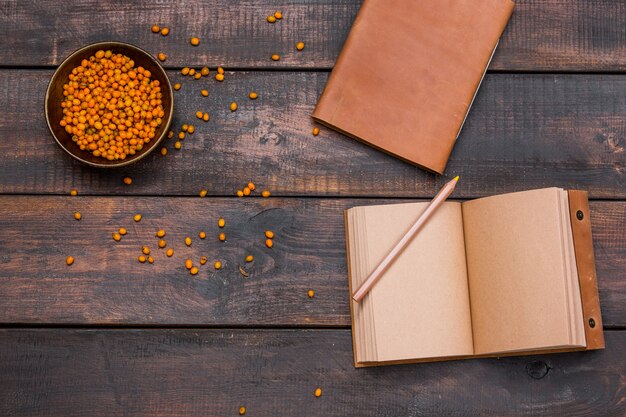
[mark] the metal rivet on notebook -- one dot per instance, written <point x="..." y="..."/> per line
<point x="579" y="215"/>
<point x="592" y="323"/>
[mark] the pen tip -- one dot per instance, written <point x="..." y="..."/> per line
<point x="456" y="178"/>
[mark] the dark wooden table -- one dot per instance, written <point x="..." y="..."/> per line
<point x="112" y="337"/>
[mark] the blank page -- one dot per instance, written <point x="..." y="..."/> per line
<point x="420" y="306"/>
<point x="518" y="272"/>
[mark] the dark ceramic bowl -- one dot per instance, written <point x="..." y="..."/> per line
<point x="54" y="98"/>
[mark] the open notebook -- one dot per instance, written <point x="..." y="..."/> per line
<point x="497" y="276"/>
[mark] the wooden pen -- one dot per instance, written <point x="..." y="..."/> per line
<point x="441" y="196"/>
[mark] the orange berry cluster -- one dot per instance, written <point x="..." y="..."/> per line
<point x="111" y="108"/>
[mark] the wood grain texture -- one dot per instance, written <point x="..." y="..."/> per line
<point x="545" y="35"/>
<point x="275" y="372"/>
<point x="108" y="286"/>
<point x="524" y="131"/>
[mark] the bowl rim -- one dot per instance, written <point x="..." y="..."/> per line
<point x="155" y="143"/>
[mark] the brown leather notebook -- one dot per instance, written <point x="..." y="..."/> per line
<point x="408" y="73"/>
<point x="512" y="274"/>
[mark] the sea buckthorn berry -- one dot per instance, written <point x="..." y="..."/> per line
<point x="318" y="392"/>
<point x="203" y="260"/>
<point x="233" y="106"/>
<point x="269" y="234"/>
<point x="221" y="222"/>
<point x="278" y="15"/>
<point x="204" y="71"/>
<point x="181" y="135"/>
<point x="300" y="46"/>
<point x="69" y="260"/>
<point x="106" y="99"/>
<point x="128" y="180"/>
<point x="188" y="241"/>
<point x="204" y="93"/>
<point x="122" y="231"/>
<point x="249" y="258"/>
<point x="137" y="218"/>
<point x="265" y="193"/>
<point x="192" y="72"/>
<point x="77" y="215"/>
<point x="203" y="193"/>
<point x="220" y="70"/>
<point x="73" y="192"/>
<point x="242" y="410"/>
<point x="193" y="270"/>
<point x="199" y="114"/>
<point x="275" y="57"/>
<point x="165" y="31"/>
<point x="177" y="145"/>
<point x="188" y="264"/>
<point x="271" y="19"/>
<point x="150" y="259"/>
<point x="253" y="95"/>
<point x="246" y="191"/>
<point x="160" y="233"/>
<point x="197" y="76"/>
<point x="169" y="252"/>
<point x="217" y="265"/>
<point x="219" y="77"/>
<point x="202" y="235"/>
<point x="162" y="57"/>
<point x="311" y="293"/>
<point x="155" y="29"/>
<point x="316" y="131"/>
<point x="141" y="259"/>
<point x="162" y="243"/>
<point x="117" y="237"/>
<point x="164" y="151"/>
<point x="269" y="243"/>
<point x="191" y="129"/>
<point x="239" y="193"/>
<point x="184" y="127"/>
<point x="222" y="237"/>
<point x="194" y="41"/>
<point x="177" y="86"/>
<point x="205" y="117"/>
<point x="145" y="250"/>
<point x="184" y="71"/>
<point x="251" y="186"/>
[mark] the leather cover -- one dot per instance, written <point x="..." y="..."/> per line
<point x="585" y="263"/>
<point x="408" y="73"/>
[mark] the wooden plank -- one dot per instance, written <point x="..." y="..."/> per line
<point x="524" y="131"/>
<point x="108" y="286"/>
<point x="546" y="35"/>
<point x="98" y="372"/>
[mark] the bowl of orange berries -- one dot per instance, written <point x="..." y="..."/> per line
<point x="109" y="104"/>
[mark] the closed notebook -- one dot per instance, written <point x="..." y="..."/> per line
<point x="504" y="275"/>
<point x="408" y="73"/>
